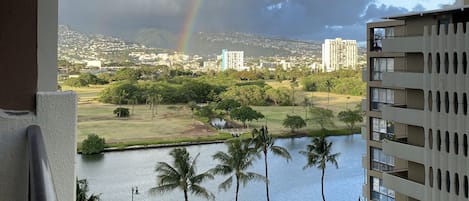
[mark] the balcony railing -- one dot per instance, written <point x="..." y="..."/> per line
<point x="41" y="186"/>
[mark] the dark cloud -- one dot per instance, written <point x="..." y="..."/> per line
<point x="304" y="19"/>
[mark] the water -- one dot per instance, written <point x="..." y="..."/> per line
<point x="114" y="174"/>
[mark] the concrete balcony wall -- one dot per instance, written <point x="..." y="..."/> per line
<point x="403" y="80"/>
<point x="403" y="115"/>
<point x="364" y="105"/>
<point x="404" y="186"/>
<point x="365" y="75"/>
<point x="403" y="44"/>
<point x="56" y="115"/>
<point x="364" y="133"/>
<point x="404" y="151"/>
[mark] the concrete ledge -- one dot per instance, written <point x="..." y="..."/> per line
<point x="404" y="186"/>
<point x="403" y="44"/>
<point x="403" y="80"/>
<point x="404" y="151"/>
<point x="403" y="115"/>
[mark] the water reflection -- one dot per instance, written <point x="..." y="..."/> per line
<point x="114" y="174"/>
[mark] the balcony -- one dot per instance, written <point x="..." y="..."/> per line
<point x="364" y="162"/>
<point x="363" y="104"/>
<point x="402" y="44"/>
<point x="401" y="149"/>
<point x="400" y="182"/>
<point x="403" y="80"/>
<point x="404" y="115"/>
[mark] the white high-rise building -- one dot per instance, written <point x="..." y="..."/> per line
<point x="338" y="54"/>
<point x="232" y="60"/>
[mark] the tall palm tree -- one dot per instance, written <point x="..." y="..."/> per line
<point x="265" y="143"/>
<point x="234" y="163"/>
<point x="82" y="190"/>
<point x="318" y="154"/>
<point x="181" y="175"/>
<point x="329" y="86"/>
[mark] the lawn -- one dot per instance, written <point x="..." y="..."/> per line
<point x="174" y="122"/>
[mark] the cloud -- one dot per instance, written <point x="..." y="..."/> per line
<point x="303" y="19"/>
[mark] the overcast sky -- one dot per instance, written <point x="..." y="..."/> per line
<point x="296" y="19"/>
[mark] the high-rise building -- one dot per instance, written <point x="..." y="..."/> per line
<point x="232" y="60"/>
<point x="339" y="54"/>
<point x="416" y="108"/>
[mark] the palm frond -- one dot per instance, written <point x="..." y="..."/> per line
<point x="281" y="151"/>
<point x="225" y="185"/>
<point x="201" y="191"/>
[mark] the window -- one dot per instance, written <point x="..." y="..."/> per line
<point x="464" y="103"/>
<point x="430" y="175"/>
<point x="464" y="63"/>
<point x="438" y="65"/>
<point x="438" y="101"/>
<point x="381" y="129"/>
<point x="455" y="103"/>
<point x="456" y="144"/>
<point x="446" y="63"/>
<point x="380" y="161"/>
<point x="446" y="102"/>
<point x="438" y="140"/>
<point x="430" y="63"/>
<point x="466" y="186"/>
<point x="430" y="101"/>
<point x="438" y="179"/>
<point x="381" y="65"/>
<point x="380" y="97"/>
<point x="430" y="138"/>
<point x="464" y="141"/>
<point x="455" y="63"/>
<point x="448" y="182"/>
<point x="447" y="141"/>
<point x="379" y="192"/>
<point x="456" y="183"/>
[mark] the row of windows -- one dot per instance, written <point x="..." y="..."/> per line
<point x="380" y="161"/>
<point x="449" y="183"/>
<point x="381" y="129"/>
<point x="380" y="97"/>
<point x="445" y="105"/>
<point x="446" y="64"/>
<point x="439" y="142"/>
<point x="379" y="192"/>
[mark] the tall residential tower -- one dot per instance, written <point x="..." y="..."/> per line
<point x="338" y="54"/>
<point x="417" y="124"/>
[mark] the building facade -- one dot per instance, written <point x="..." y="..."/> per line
<point x="232" y="60"/>
<point x="339" y="54"/>
<point x="416" y="107"/>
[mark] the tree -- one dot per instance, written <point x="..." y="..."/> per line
<point x="182" y="174"/>
<point x="321" y="116"/>
<point x="306" y="104"/>
<point x="93" y="144"/>
<point x="128" y="74"/>
<point x="228" y="104"/>
<point x="245" y="113"/>
<point x="238" y="158"/>
<point x="328" y="84"/>
<point x="294" y="122"/>
<point x="350" y="118"/>
<point x="265" y="143"/>
<point x="82" y="191"/>
<point x="121" y="112"/>
<point x="293" y="84"/>
<point x="318" y="154"/>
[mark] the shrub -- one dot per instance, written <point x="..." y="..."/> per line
<point x="122" y="112"/>
<point x="93" y="144"/>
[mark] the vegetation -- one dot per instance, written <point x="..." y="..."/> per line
<point x="342" y="82"/>
<point x="121" y="112"/>
<point x="93" y="144"/>
<point x="245" y="113"/>
<point x="82" y="191"/>
<point x="318" y="154"/>
<point x="181" y="174"/>
<point x="84" y="80"/>
<point x="322" y="117"/>
<point x="350" y="118"/>
<point x="234" y="163"/>
<point x="294" y="122"/>
<point x="264" y="142"/>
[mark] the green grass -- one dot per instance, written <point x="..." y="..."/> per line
<point x="177" y="125"/>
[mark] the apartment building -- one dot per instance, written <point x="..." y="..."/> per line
<point x="338" y="54"/>
<point x="37" y="123"/>
<point x="416" y="106"/>
<point x="232" y="60"/>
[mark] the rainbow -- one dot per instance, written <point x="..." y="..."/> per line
<point x="188" y="26"/>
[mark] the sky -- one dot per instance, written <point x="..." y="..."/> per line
<point x="294" y="19"/>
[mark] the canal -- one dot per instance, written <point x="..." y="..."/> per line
<point x="114" y="174"/>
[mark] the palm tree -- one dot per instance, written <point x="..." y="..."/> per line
<point x="318" y="154"/>
<point x="329" y="86"/>
<point x="82" y="190"/>
<point x="265" y="143"/>
<point x="234" y="163"/>
<point x="181" y="175"/>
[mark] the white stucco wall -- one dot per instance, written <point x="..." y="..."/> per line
<point x="56" y="115"/>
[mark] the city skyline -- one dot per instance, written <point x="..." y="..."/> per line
<point x="271" y="18"/>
